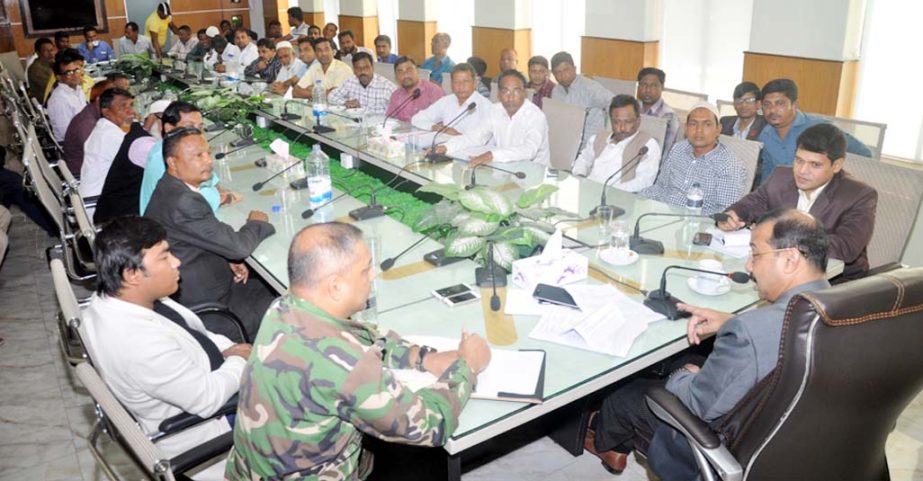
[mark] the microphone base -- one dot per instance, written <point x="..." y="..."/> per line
<point x="260" y="163"/>
<point x="367" y="212"/>
<point x="616" y="211"/>
<point x="323" y="129"/>
<point x="645" y="246"/>
<point x="434" y="158"/>
<point x="288" y="116"/>
<point x="299" y="184"/>
<point x="664" y="304"/>
<point x="439" y="259"/>
<point x="215" y="127"/>
<point x="242" y="143"/>
<point x="485" y="277"/>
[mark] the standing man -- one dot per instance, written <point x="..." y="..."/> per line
<point x="296" y="21"/>
<point x="366" y="89"/>
<point x="42" y="69"/>
<point x="540" y="80"/>
<point x="158" y="23"/>
<point x="408" y="78"/>
<point x="93" y="49"/>
<point x="609" y="152"/>
<point x="68" y="98"/>
<point x="513" y="129"/>
<point x="580" y="91"/>
<point x="348" y="47"/>
<point x="291" y="68"/>
<point x="440" y="114"/>
<point x="700" y="159"/>
<point x="211" y="251"/>
<point x="650" y="90"/>
<point x="266" y="66"/>
<point x="183" y="45"/>
<point x="134" y="43"/>
<point x="116" y="107"/>
<point x="330" y="71"/>
<point x="321" y="381"/>
<point x="383" y="49"/>
<point x="748" y="123"/>
<point x="440" y="62"/>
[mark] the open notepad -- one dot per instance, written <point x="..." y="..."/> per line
<point x="510" y="376"/>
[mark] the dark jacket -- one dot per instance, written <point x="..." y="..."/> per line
<point x="727" y="126"/>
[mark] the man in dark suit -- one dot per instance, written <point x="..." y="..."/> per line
<point x="748" y="123"/>
<point x="211" y="251"/>
<point x="817" y="183"/>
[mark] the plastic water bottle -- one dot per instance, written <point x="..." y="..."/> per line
<point x="317" y="166"/>
<point x="319" y="101"/>
<point x="694" y="199"/>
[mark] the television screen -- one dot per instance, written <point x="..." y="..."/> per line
<point x="42" y="17"/>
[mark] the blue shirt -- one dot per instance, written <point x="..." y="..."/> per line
<point x="391" y="58"/>
<point x="102" y="53"/>
<point x="777" y="151"/>
<point x="155" y="169"/>
<point x="445" y="67"/>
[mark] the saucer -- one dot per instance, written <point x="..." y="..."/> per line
<point x="336" y="108"/>
<point x="609" y="256"/>
<point x="724" y="286"/>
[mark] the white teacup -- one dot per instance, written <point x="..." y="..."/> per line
<point x="709" y="282"/>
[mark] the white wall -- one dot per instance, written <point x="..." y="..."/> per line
<point x="456" y="19"/>
<point x="822" y="29"/>
<point x="636" y="20"/>
<point x="556" y="26"/>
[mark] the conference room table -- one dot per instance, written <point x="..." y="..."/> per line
<point x="403" y="294"/>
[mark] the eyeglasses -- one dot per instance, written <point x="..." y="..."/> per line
<point x="746" y="101"/>
<point x="516" y="91"/>
<point x="754" y="255"/>
<point x="71" y="72"/>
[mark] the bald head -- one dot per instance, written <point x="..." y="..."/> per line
<point x="509" y="60"/>
<point x="321" y="250"/>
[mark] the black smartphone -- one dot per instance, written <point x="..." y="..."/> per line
<point x="554" y="295"/>
<point x="702" y="239"/>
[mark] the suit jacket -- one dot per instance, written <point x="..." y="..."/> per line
<point x="204" y="244"/>
<point x="727" y="126"/>
<point x="846" y="207"/>
<point x="158" y="370"/>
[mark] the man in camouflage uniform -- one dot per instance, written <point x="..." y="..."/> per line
<point x="316" y="381"/>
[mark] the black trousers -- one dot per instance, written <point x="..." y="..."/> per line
<point x="249" y="302"/>
<point x="12" y="193"/>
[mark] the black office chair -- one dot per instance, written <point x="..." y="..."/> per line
<point x="850" y="361"/>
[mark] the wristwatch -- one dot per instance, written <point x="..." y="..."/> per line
<point x="424" y="350"/>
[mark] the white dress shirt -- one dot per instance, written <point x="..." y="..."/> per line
<point x="300" y="31"/>
<point x="230" y="56"/>
<point x="373" y="98"/>
<point x="447" y="108"/>
<point x="296" y="69"/>
<point x="610" y="160"/>
<point x="524" y="136"/>
<point x="63" y="104"/>
<point x="98" y="153"/>
<point x="158" y="370"/>
<point x="805" y="202"/>
<point x="247" y="55"/>
<point x="143" y="45"/>
<point x="179" y="50"/>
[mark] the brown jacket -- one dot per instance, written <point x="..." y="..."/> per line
<point x="727" y="126"/>
<point x="846" y="207"/>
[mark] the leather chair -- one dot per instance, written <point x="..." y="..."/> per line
<point x="849" y="364"/>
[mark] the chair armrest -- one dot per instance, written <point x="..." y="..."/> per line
<point x="222" y="311"/>
<point x="891" y="266"/>
<point x="706" y="446"/>
<point x="183" y="421"/>
<point x="201" y="453"/>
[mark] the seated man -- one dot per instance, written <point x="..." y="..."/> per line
<point x="322" y="380"/>
<point x="540" y="80"/>
<point x="786" y="123"/>
<point x="348" y="47"/>
<point x="448" y="108"/>
<point x="306" y="52"/>
<point x="291" y="68"/>
<point x="650" y="93"/>
<point x="314" y="32"/>
<point x="440" y="62"/>
<point x="607" y="153"/>
<point x="512" y="130"/>
<point x="788" y="256"/>
<point x="116" y="108"/>
<point x="248" y="50"/>
<point x="366" y="89"/>
<point x="93" y="49"/>
<point x="201" y="48"/>
<point x="817" y="183"/>
<point x="274" y="31"/>
<point x="212" y="252"/>
<point x="580" y="91"/>
<point x="155" y="355"/>
<point x="509" y="60"/>
<point x="266" y="66"/>
<point x="383" y="51"/>
<point x="748" y="123"/>
<point x="133" y="43"/>
<point x="700" y="159"/>
<point x="83" y="123"/>
<point x="480" y="75"/>
<point x="221" y="55"/>
<point x="330" y="71"/>
<point x="401" y="106"/>
<point x="68" y="98"/>
<point x="184" y="44"/>
<point x="42" y="69"/>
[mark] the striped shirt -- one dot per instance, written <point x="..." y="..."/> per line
<point x="373" y="98"/>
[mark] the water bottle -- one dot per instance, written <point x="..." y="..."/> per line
<point x="317" y="166"/>
<point x="694" y="199"/>
<point x="319" y="101"/>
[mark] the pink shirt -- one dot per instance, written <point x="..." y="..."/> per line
<point x="429" y="93"/>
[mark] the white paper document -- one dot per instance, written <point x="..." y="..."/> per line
<point x="519" y="302"/>
<point x="734" y="244"/>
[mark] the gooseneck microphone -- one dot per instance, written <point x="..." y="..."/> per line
<point x="285" y="114"/>
<point x="221" y="155"/>
<point x="308" y="213"/>
<point x="651" y="246"/>
<point x="415" y="95"/>
<point x="491" y="274"/>
<point x="374" y="209"/>
<point x="472" y="181"/>
<point x="389" y="262"/>
<point x="602" y="198"/>
<point x="660" y="301"/>
<point x="433" y="156"/>
<point x="259" y="185"/>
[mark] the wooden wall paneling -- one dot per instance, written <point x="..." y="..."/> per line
<point x="115" y="8"/>
<point x="197" y="20"/>
<point x="365" y="29"/>
<point x="414" y="39"/>
<point x="196" y="5"/>
<point x="824" y="86"/>
<point x="849" y="87"/>
<point x="487" y="43"/>
<point x="315" y="18"/>
<point x="614" y="58"/>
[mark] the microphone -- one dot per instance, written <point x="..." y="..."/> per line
<point x="494" y="298"/>
<point x="285" y="114"/>
<point x="389" y="262"/>
<point x="602" y="198"/>
<point x="221" y="155"/>
<point x="263" y="163"/>
<point x="215" y="127"/>
<point x="651" y="246"/>
<point x="660" y="301"/>
<point x="472" y="182"/>
<point x="433" y="156"/>
<point x="259" y="185"/>
<point x="415" y="95"/>
<point x="308" y="213"/>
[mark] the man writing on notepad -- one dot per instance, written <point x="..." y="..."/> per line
<point x="319" y="380"/>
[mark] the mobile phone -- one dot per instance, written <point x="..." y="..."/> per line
<point x="456" y="295"/>
<point x="702" y="239"/>
<point x="463" y="298"/>
<point x="554" y="295"/>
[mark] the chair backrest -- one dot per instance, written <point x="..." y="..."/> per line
<point x="872" y="134"/>
<point x="386" y="70"/>
<point x="618" y="86"/>
<point x="149" y="456"/>
<point x="726" y="108"/>
<point x="900" y="190"/>
<point x="44" y="193"/>
<point x="447" y="82"/>
<point x="54" y="181"/>
<point x="70" y="319"/>
<point x="565" y="129"/>
<point x="86" y="229"/>
<point x="494" y="92"/>
<point x="680" y="99"/>
<point x="849" y="364"/>
<point x="11" y="64"/>
<point x="425" y="73"/>
<point x="747" y="151"/>
<point x="656" y="127"/>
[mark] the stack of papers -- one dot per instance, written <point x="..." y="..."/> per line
<point x="734" y="244"/>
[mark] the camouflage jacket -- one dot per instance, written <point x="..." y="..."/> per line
<point x="314" y="384"/>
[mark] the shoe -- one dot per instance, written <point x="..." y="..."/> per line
<point x="614" y="462"/>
